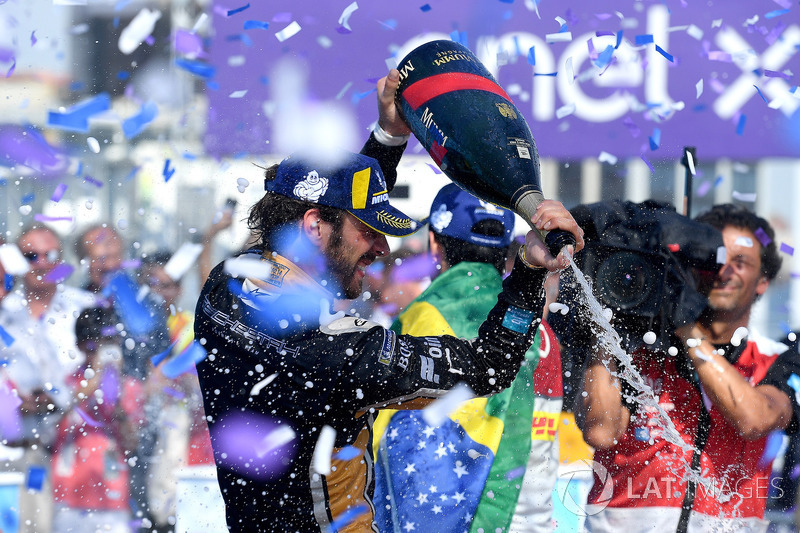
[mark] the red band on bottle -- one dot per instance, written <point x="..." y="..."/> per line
<point x="426" y="89"/>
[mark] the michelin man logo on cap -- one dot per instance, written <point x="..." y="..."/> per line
<point x="312" y="187"/>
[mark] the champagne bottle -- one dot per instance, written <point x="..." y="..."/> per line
<point x="472" y="129"/>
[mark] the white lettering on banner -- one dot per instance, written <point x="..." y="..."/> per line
<point x="626" y="75"/>
<point x="774" y="58"/>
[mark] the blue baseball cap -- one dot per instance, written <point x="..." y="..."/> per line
<point x="455" y="212"/>
<point x="354" y="183"/>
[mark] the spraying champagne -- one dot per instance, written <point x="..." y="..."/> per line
<point x="472" y="129"/>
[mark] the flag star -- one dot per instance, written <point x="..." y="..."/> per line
<point x="437" y="509"/>
<point x="422" y="498"/>
<point x="459" y="497"/>
<point x="393" y="434"/>
<point x="443" y="497"/>
<point x="409" y="526"/>
<point x="433" y="489"/>
<point x="410" y="467"/>
<point x="421" y="445"/>
<point x="467" y="518"/>
<point x="428" y="431"/>
<point x="451" y="447"/>
<point x="441" y="452"/>
<point x="460" y="470"/>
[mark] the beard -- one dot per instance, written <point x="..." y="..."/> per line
<point x="341" y="272"/>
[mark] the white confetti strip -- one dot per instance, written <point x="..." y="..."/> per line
<point x="256" y="390"/>
<point x="722" y="255"/>
<point x="562" y="37"/>
<point x="138" y="30"/>
<point x="200" y="23"/>
<point x="245" y="267"/>
<point x="321" y="460"/>
<point x="569" y="70"/>
<point x="288" y="32"/>
<point x="605" y="157"/>
<point x="13" y="261"/>
<point x="565" y="110"/>
<point x="744" y="196"/>
<point x="438" y="411"/>
<point x="344" y="18"/>
<point x="274" y="440"/>
<point x="694" y="32"/>
<point x="238" y="94"/>
<point x="739" y="335"/>
<point x="747" y="242"/>
<point x="182" y="260"/>
<point x="699" y="88"/>
<point x="94" y="145"/>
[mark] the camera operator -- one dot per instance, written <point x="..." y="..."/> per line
<point x="723" y="391"/>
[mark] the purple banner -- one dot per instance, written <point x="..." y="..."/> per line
<point x="627" y="78"/>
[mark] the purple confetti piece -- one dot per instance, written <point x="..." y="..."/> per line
<point x="785" y="248"/>
<point x="342" y="30"/>
<point x="59" y="273"/>
<point x="175" y="393"/>
<point x="109" y="384"/>
<point x="96" y="183"/>
<point x="413" y="269"/>
<point x="515" y="473"/>
<point x="284" y="16"/>
<point x="716" y="55"/>
<point x="603" y="33"/>
<point x="435" y="169"/>
<point x="33" y="38"/>
<point x="775" y="34"/>
<point x="237" y="10"/>
<point x="703" y="188"/>
<point x="774" y="74"/>
<point x="188" y="43"/>
<point x="44" y="218"/>
<point x="740" y="124"/>
<point x="88" y="419"/>
<point x="632" y="127"/>
<point x="10" y="417"/>
<point x="603" y="16"/>
<point x="150" y="40"/>
<point x="11" y="70"/>
<point x="762" y="237"/>
<point x="795" y="473"/>
<point x="58" y="194"/>
<point x="647" y="162"/>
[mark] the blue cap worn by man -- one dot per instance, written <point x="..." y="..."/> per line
<point x="469" y="240"/>
<point x="290" y="390"/>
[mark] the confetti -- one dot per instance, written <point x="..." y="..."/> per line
<point x="785" y="248"/>
<point x="762" y="237"/>
<point x="740" y="124"/>
<point x="747" y="242"/>
<point x="348" y="516"/>
<point x="565" y="110"/>
<point x="6" y="337"/>
<point x="138" y="30"/>
<point x="36" y="476"/>
<point x="238" y="94"/>
<point x="665" y="54"/>
<point x="76" y="118"/>
<point x="159" y="358"/>
<point x="237" y="10"/>
<point x="348" y="452"/>
<point x="776" y="13"/>
<point x="655" y="139"/>
<point x="189" y="44"/>
<point x="13" y="261"/>
<point x="647" y="162"/>
<point x="699" y="88"/>
<point x="605" y="157"/>
<point x="437" y="412"/>
<point x="744" y="197"/>
<point x="425" y="8"/>
<point x="255" y="25"/>
<point x="532" y="55"/>
<point x="703" y="188"/>
<point x="136" y="124"/>
<point x="694" y="32"/>
<point x="182" y="260"/>
<point x="640" y="40"/>
<point x="256" y="390"/>
<point x="198" y="68"/>
<point x="184" y="361"/>
<point x="344" y="18"/>
<point x="289" y="31"/>
<point x="167" y="172"/>
<point x="94" y="145"/>
<point x="88" y="419"/>
<point x="321" y="459"/>
<point x="561" y="37"/>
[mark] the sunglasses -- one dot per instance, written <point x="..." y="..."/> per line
<point x="51" y="256"/>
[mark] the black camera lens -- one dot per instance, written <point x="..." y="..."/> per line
<point x="625" y="280"/>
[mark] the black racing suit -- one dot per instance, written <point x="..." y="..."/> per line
<point x="287" y="359"/>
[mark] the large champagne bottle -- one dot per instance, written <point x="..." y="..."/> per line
<point x="472" y="129"/>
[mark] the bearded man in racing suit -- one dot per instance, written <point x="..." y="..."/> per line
<point x="309" y="382"/>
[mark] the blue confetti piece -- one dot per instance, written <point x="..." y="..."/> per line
<point x="425" y="8"/>
<point x="655" y="139"/>
<point x="159" y="358"/>
<point x="665" y="54"/>
<point x="349" y="452"/>
<point x="740" y="125"/>
<point x="6" y="337"/>
<point x="761" y="94"/>
<point x="532" y="55"/>
<point x="212" y="86"/>
<point x="776" y="13"/>
<point x="135" y="316"/>
<point x="184" y="361"/>
<point x="8" y="284"/>
<point x="123" y="75"/>
<point x="619" y="39"/>
<point x="551" y="74"/>
<point x="198" y="68"/>
<point x="718" y="181"/>
<point x="459" y="37"/>
<point x="255" y="25"/>
<point x="243" y="37"/>
<point x="76" y="86"/>
<point x="28" y="198"/>
<point x="794" y="382"/>
<point x="643" y="39"/>
<point x="771" y="448"/>
<point x="237" y="10"/>
<point x="134" y="125"/>
<point x="36" y="476"/>
<point x="76" y="118"/>
<point x="604" y="58"/>
<point x="648" y="163"/>
<point x="515" y="473"/>
<point x="132" y="173"/>
<point x="348" y="516"/>
<point x="357" y="97"/>
<point x="168" y="172"/>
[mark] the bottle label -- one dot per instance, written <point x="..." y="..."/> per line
<point x="523" y="147"/>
